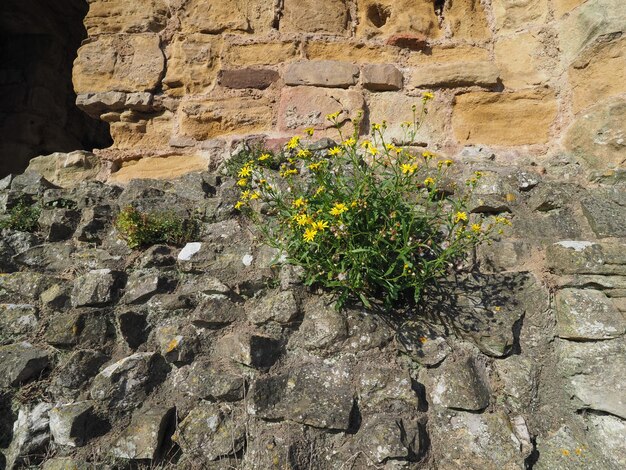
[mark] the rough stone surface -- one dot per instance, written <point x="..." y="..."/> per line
<point x="142" y="440"/>
<point x="69" y="424"/>
<point x="455" y="75"/>
<point x="20" y="362"/>
<point x="385" y="77"/>
<point x="587" y="314"/>
<point x="329" y="74"/>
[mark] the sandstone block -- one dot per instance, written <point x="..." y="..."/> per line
<point x="504" y="118"/>
<point x="314" y="16"/>
<point x="381" y="77"/>
<point x="265" y="53"/>
<point x="597" y="135"/>
<point x="192" y="63"/>
<point x="520" y="61"/>
<point x="119" y="62"/>
<point x="455" y="75"/>
<point x="357" y="51"/>
<point x="467" y="20"/>
<point x="247" y="78"/>
<point x="203" y="120"/>
<point x="513" y="14"/>
<point x="159" y="168"/>
<point x="251" y="16"/>
<point x="562" y="7"/>
<point x="325" y="73"/>
<point x="121" y="16"/>
<point x="303" y="107"/>
<point x="599" y="72"/>
<point x="386" y="18"/>
<point x="439" y="54"/>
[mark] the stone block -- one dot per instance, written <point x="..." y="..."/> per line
<point x="587" y="314"/>
<point x="304" y="107"/>
<point x="260" y="53"/>
<point x="215" y="381"/>
<point x="143" y="284"/>
<point x="386" y="18"/>
<point x="598" y="73"/>
<point x="252" y="350"/>
<point x="20" y="362"/>
<point x="381" y="77"/>
<point x="250" y="16"/>
<point x="466" y="20"/>
<point x="120" y="16"/>
<point x="216" y="311"/>
<point x="447" y="54"/>
<point x="159" y="168"/>
<point x="93" y="288"/>
<point x="17" y="321"/>
<point x="455" y="75"/>
<point x="511" y="15"/>
<point x="142" y="440"/>
<point x="278" y="306"/>
<point x="67" y="170"/>
<point x="322" y="329"/>
<point x="597" y="135"/>
<point x="604" y="210"/>
<point x="519" y="118"/>
<point x="247" y="78"/>
<point x="204" y="120"/>
<point x="314" y="16"/>
<point x="120" y="62"/>
<point x="521" y="60"/>
<point x="192" y="63"/>
<point x="324" y="73"/>
<point x="70" y="423"/>
<point x="359" y="52"/>
<point x="585" y="257"/>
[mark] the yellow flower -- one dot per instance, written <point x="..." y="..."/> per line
<point x="427" y="155"/>
<point x="302" y="219"/>
<point x="303" y="153"/>
<point x="262" y="181"/>
<point x="309" y="131"/>
<point x="460" y="216"/>
<point x="264" y="156"/>
<point x="319" y="190"/>
<point x="372" y="150"/>
<point x="353" y="204"/>
<point x="242" y="182"/>
<point x="366" y="143"/>
<point x="315" y="166"/>
<point x="320" y="225"/>
<point x="338" y="209"/>
<point x="429" y="181"/>
<point x="375" y="127"/>
<point x="476" y="228"/>
<point x="239" y="205"/>
<point x="245" y="194"/>
<point x="245" y="171"/>
<point x="408" y="169"/>
<point x="392" y="148"/>
<point x="349" y="142"/>
<point x="254" y="196"/>
<point x="333" y="116"/>
<point x="334" y="151"/>
<point x="503" y="220"/>
<point x="293" y="142"/>
<point x="289" y="172"/>
<point x="298" y="202"/>
<point x="427" y="96"/>
<point x="309" y="234"/>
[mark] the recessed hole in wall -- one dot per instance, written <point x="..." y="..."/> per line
<point x="439" y="5"/>
<point x="378" y="14"/>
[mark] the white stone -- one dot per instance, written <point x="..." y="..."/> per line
<point x="247" y="260"/>
<point x="189" y="250"/>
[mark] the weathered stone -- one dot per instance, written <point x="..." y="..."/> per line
<point x="587" y="314"/>
<point x="504" y="118"/>
<point x="386" y="18"/>
<point x="118" y="16"/>
<point x="78" y="368"/>
<point x="447" y="54"/>
<point x="278" y="306"/>
<point x="261" y="53"/>
<point x="599" y="72"/>
<point x="367" y="331"/>
<point x="133" y="328"/>
<point x="247" y="78"/>
<point x="143" y="284"/>
<point x="254" y="16"/>
<point x="66" y="169"/>
<point x="20" y="362"/>
<point x="304" y="107"/>
<point x="519" y="377"/>
<point x="310" y="16"/>
<point x="386" y="438"/>
<point x="253" y="350"/>
<point x="217" y="311"/>
<point x="119" y="63"/>
<point x="231" y="115"/>
<point x="609" y="435"/>
<point x="64" y="463"/>
<point x="385" y="387"/>
<point x="31" y="434"/>
<point x="323" y="327"/>
<point x="211" y="431"/>
<point x="513" y="14"/>
<point x="177" y="343"/>
<point x="160" y="168"/>
<point x="504" y="255"/>
<point x="142" y="440"/>
<point x="50" y="257"/>
<point x="25" y="285"/>
<point x="30" y="183"/>
<point x="315" y="394"/>
<point x="596" y="383"/>
<point x="324" y="73"/>
<point x="455" y="75"/>
<point x="94" y="288"/>
<point x="597" y="135"/>
<point x="521" y="60"/>
<point x="467" y="20"/>
<point x="384" y="77"/>
<point x="586" y="23"/>
<point x="215" y="382"/>
<point x="64" y="329"/>
<point x="459" y="383"/>
<point x="17" y="321"/>
<point x="359" y="52"/>
<point x="604" y="210"/>
<point x="58" y="224"/>
<point x="69" y="424"/>
<point x="124" y="384"/>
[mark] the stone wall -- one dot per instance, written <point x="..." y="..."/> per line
<point x="530" y="79"/>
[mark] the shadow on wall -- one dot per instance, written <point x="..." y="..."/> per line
<point x="38" y="116"/>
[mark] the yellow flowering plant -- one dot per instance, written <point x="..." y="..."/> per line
<point x="371" y="220"/>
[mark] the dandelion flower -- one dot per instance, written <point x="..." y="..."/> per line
<point x="293" y="142"/>
<point x="320" y="225"/>
<point x="298" y="202"/>
<point x="334" y="151"/>
<point x="245" y="171"/>
<point x="429" y="181"/>
<point x="264" y="156"/>
<point x="338" y="209"/>
<point x="460" y="216"/>
<point x="239" y="205"/>
<point x="309" y="234"/>
<point x="408" y="169"/>
<point x="476" y="228"/>
<point x="242" y="182"/>
<point x="349" y="142"/>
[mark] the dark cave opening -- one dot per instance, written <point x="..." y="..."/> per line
<point x="39" y="40"/>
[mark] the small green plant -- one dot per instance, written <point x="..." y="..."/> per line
<point x="371" y="220"/>
<point x="140" y="229"/>
<point x="23" y="217"/>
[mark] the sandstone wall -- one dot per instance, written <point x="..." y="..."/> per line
<point x="524" y="78"/>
